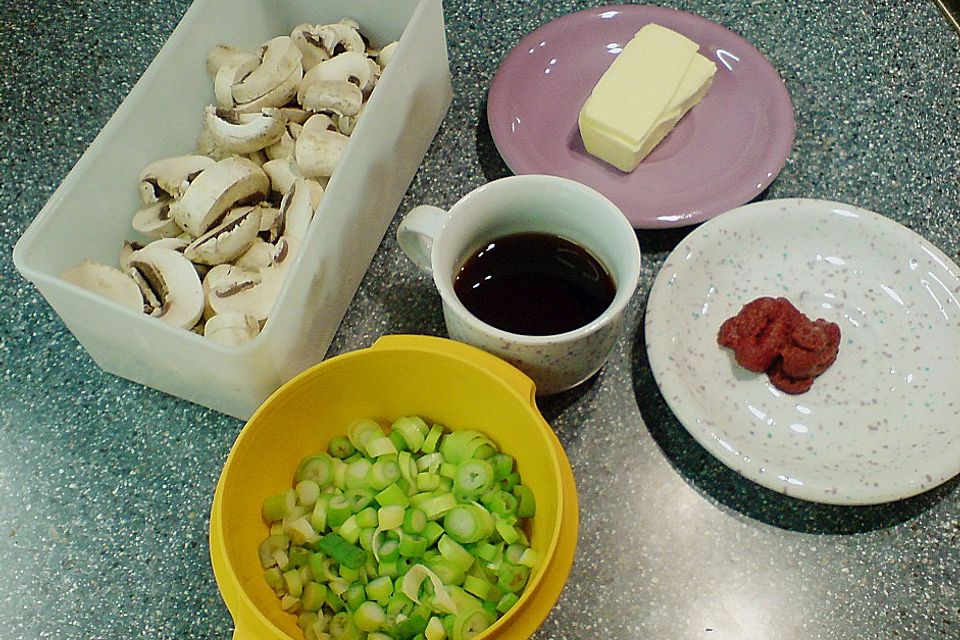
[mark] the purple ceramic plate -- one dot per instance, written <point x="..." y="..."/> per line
<point x="723" y="153"/>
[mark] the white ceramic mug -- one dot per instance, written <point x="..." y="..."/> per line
<point x="440" y="241"/>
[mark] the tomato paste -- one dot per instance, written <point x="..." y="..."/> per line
<point x="770" y="335"/>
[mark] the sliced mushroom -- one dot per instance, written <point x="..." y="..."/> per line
<point x="279" y="96"/>
<point x="257" y="300"/>
<point x="176" y="244"/>
<point x="346" y="124"/>
<point x="338" y="96"/>
<point x="206" y="146"/>
<point x="279" y="58"/>
<point x="318" y="149"/>
<point x="283" y="148"/>
<point x="151" y="301"/>
<point x="347" y="67"/>
<point x="228" y="240"/>
<point x="386" y="54"/>
<point x="270" y="222"/>
<point x="231" y="72"/>
<point x="231" y="329"/>
<point x="295" y="115"/>
<point x="258" y="256"/>
<point x="258" y="157"/>
<point x="243" y="133"/>
<point x="307" y="39"/>
<point x="170" y="177"/>
<point x="126" y="249"/>
<point x="282" y="173"/>
<point x="154" y="221"/>
<point x="316" y="190"/>
<point x="106" y="281"/>
<point x="228" y="183"/>
<point x="175" y="283"/>
<point x="297" y="209"/>
<point x="341" y="37"/>
<point x="375" y="72"/>
<point x="226" y="280"/>
<point x="223" y="54"/>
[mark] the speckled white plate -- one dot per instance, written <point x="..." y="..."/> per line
<point x="883" y="423"/>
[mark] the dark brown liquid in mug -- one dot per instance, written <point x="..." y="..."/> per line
<point x="534" y="284"/>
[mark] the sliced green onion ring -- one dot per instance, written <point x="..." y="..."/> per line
<point x="415" y="577"/>
<point x="473" y="478"/>
<point x="468" y="523"/>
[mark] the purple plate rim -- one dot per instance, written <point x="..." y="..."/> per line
<point x="778" y="147"/>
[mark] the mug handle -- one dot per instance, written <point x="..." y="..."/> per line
<point x="418" y="230"/>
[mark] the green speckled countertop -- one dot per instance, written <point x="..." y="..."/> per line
<point x="105" y="486"/>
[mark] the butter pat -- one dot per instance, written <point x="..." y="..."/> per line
<point x="652" y="83"/>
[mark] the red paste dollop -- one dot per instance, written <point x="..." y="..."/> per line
<point x="771" y="335"/>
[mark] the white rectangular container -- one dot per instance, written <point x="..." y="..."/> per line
<point x="89" y="214"/>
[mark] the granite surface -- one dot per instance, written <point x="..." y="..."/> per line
<point x="105" y="486"/>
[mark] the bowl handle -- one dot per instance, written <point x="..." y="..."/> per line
<point x="513" y="377"/>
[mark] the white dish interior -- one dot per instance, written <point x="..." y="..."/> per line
<point x="882" y="423"/>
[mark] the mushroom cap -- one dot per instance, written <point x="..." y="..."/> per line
<point x="172" y="277"/>
<point x="106" y="281"/>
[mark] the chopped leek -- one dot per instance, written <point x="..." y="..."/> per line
<point x="379" y="589"/>
<point x="307" y="492"/>
<point x="393" y="495"/>
<point x="472" y="478"/>
<point x="405" y="533"/>
<point x="526" y="503"/>
<point x="342" y="551"/>
<point x="361" y="431"/>
<point x="414" y="520"/>
<point x="471" y="624"/>
<point x="279" y="505"/>
<point x="318" y="468"/>
<point x="411" y="627"/>
<point x="340" y="447"/>
<point x="383" y="473"/>
<point x="468" y="523"/>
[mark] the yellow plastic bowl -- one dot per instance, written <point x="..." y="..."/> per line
<point x="443" y="381"/>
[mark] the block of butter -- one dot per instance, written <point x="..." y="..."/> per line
<point x="651" y="84"/>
